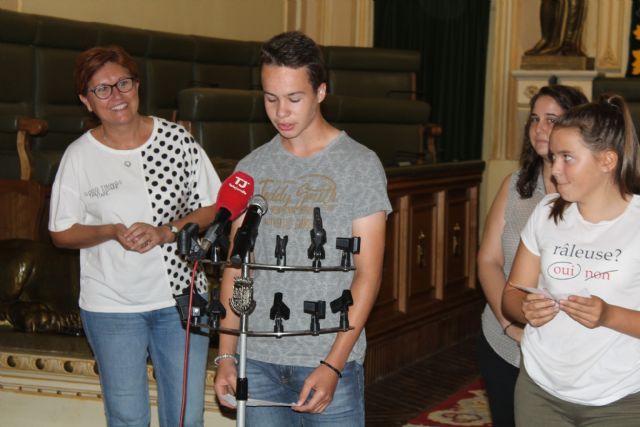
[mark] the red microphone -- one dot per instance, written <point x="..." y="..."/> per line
<point x="233" y="198"/>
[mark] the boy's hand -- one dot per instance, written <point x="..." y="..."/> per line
<point x="323" y="381"/>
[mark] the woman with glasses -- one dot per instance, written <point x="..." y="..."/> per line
<point x="499" y="351"/>
<point x="120" y="195"/>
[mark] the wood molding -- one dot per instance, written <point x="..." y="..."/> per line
<point x="363" y="28"/>
<point x="441" y="222"/>
<point x="472" y="236"/>
<point x="69" y="377"/>
<point x="612" y="39"/>
<point x="498" y="73"/>
<point x="332" y="22"/>
<point x="401" y="246"/>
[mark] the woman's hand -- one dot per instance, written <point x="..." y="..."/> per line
<point x="590" y="312"/>
<point x="538" y="309"/>
<point x="225" y="382"/>
<point x="323" y="381"/>
<point x="120" y="236"/>
<point x="142" y="237"/>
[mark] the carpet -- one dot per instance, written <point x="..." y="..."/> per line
<point x="468" y="407"/>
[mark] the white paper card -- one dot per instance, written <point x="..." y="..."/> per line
<point x="556" y="297"/>
<point x="231" y="399"/>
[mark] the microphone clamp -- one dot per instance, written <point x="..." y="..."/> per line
<point x="198" y="306"/>
<point x="281" y="250"/>
<point x="318" y="239"/>
<point x="317" y="310"/>
<point x="190" y="247"/>
<point x="216" y="310"/>
<point x="348" y="246"/>
<point x="341" y="304"/>
<point x="279" y="312"/>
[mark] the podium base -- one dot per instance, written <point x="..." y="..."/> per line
<point x="556" y="62"/>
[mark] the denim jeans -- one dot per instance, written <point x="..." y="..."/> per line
<point x="121" y="343"/>
<point x="282" y="383"/>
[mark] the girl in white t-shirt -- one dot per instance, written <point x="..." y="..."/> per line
<point x="575" y="281"/>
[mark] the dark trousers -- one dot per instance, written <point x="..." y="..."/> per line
<point x="500" y="381"/>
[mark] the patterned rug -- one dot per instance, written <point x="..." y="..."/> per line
<point x="466" y="408"/>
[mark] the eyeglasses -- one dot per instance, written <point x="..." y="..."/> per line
<point x="104" y="91"/>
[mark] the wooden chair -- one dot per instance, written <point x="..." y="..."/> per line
<point x="27" y="127"/>
<point x="23" y="201"/>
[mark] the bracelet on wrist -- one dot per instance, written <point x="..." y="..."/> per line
<point x="223" y="356"/>
<point x="504" y="330"/>
<point x="333" y="368"/>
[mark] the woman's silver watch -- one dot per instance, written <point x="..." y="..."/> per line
<point x="173" y="229"/>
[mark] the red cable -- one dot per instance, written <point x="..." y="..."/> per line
<point x="185" y="370"/>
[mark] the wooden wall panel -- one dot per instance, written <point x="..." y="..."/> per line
<point x="421" y="248"/>
<point x="428" y="298"/>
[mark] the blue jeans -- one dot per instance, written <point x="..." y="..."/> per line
<point x="121" y="343"/>
<point x="282" y="383"/>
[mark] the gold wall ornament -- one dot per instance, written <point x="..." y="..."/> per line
<point x="530" y="91"/>
<point x="636" y="62"/>
<point x="608" y="59"/>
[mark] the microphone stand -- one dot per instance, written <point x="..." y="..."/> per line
<point x="243" y="304"/>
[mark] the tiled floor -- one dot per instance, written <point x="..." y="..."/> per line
<point x="405" y="394"/>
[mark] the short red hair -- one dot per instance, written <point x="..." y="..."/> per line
<point x="91" y="60"/>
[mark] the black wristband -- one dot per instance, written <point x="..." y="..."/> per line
<point x="333" y="368"/>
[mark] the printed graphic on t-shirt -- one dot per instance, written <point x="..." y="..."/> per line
<point x="291" y="202"/>
<point x="103" y="190"/>
<point x="583" y="263"/>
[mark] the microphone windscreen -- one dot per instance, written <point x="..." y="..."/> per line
<point x="235" y="193"/>
<point x="260" y="202"/>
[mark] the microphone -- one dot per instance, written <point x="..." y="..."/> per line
<point x="235" y="192"/>
<point x="248" y="232"/>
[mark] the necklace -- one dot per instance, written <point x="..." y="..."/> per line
<point x="133" y="142"/>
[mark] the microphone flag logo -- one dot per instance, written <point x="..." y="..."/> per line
<point x="240" y="183"/>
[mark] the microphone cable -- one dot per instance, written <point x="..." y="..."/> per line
<point x="185" y="370"/>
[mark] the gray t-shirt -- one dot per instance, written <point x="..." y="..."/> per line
<point x="516" y="214"/>
<point x="346" y="181"/>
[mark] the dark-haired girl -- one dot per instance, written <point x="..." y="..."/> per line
<point x="579" y="265"/>
<point x="499" y="351"/>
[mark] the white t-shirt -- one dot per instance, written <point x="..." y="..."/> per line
<point x="570" y="361"/>
<point x="164" y="179"/>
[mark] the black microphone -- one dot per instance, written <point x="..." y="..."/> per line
<point x="248" y="232"/>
